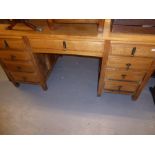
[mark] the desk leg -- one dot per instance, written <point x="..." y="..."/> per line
<point x="44" y="86"/>
<point x="16" y="84"/>
<point x="102" y="67"/>
<point x="144" y="82"/>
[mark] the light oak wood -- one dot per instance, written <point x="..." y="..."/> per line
<point x="102" y="67"/>
<point x="84" y="46"/>
<point x="129" y="63"/>
<point x="116" y="74"/>
<point x="120" y="86"/>
<point x="144" y="82"/>
<point x="97" y="54"/>
<point x="118" y="92"/>
<point x="127" y="49"/>
<point x="21" y="65"/>
<point x="14" y="55"/>
<point x="14" y="43"/>
<point x="39" y="71"/>
<point x="18" y="66"/>
<point x="99" y="22"/>
<point x="25" y="77"/>
<point x="48" y="44"/>
<point x="62" y="31"/>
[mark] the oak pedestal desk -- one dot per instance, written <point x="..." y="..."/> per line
<point x="126" y="53"/>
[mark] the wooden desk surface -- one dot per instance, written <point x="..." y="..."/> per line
<point x="61" y="31"/>
<point x="77" y="32"/>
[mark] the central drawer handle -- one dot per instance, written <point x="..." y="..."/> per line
<point x="133" y="51"/>
<point x="128" y="65"/>
<point x="123" y="76"/>
<point x="119" y="88"/>
<point x="64" y="45"/>
<point x="13" y="57"/>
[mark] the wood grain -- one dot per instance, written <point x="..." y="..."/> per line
<point x="133" y="62"/>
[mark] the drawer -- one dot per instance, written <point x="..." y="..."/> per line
<point x="128" y="63"/>
<point x="12" y="43"/>
<point x="120" y="86"/>
<point x="25" y="77"/>
<point x="114" y="74"/>
<point x="133" y="50"/>
<point x="20" y="66"/>
<point x="84" y="46"/>
<point x="46" y="44"/>
<point x="14" y="55"/>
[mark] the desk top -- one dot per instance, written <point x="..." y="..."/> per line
<point x="61" y="31"/>
<point x="79" y="32"/>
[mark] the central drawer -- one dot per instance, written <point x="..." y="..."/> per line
<point x="120" y="86"/>
<point x="46" y="44"/>
<point x="92" y="48"/>
<point x="84" y="46"/>
<point x="128" y="63"/>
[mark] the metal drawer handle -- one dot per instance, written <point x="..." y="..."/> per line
<point x="13" y="57"/>
<point x="123" y="76"/>
<point x="119" y="88"/>
<point x="6" y="45"/>
<point x="133" y="51"/>
<point x="64" y="45"/>
<point x="128" y="65"/>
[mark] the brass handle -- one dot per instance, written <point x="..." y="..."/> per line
<point x="6" y="44"/>
<point x="123" y="76"/>
<point x="128" y="65"/>
<point x="133" y="51"/>
<point x="119" y="88"/>
<point x="13" y="57"/>
<point x="64" y="45"/>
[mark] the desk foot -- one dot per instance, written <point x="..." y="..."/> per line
<point x="16" y="84"/>
<point x="98" y="94"/>
<point x="44" y="86"/>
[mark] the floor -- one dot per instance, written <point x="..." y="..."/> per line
<point x="71" y="105"/>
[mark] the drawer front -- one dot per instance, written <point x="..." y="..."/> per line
<point x="84" y="46"/>
<point x="12" y="43"/>
<point x="20" y="66"/>
<point x="120" y="86"/>
<point x="133" y="50"/>
<point x="113" y="74"/>
<point x="128" y="63"/>
<point x="25" y="77"/>
<point x="46" y="44"/>
<point x="14" y="56"/>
